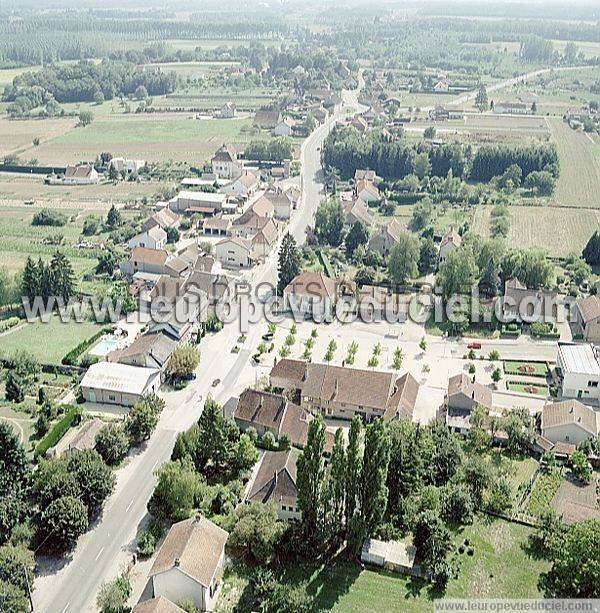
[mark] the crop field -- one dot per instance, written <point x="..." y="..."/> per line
<point x="149" y="137"/>
<point x="580" y="167"/>
<point x="559" y="230"/>
<point x="18" y="134"/>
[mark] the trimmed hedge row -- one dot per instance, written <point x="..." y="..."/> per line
<point x="57" y="432"/>
<point x="71" y="358"/>
<point x="7" y="324"/>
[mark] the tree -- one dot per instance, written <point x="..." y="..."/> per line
<point x="12" y="598"/>
<point x="457" y="504"/>
<point x="183" y="362"/>
<point x="574" y="572"/>
<point x="421" y="166"/>
<point x="427" y="255"/>
<point x="403" y="258"/>
<point x="14" y="387"/>
<point x="481" y="99"/>
<point x="373" y="492"/>
<point x="433" y="542"/>
<point x="63" y="521"/>
<point x="17" y="566"/>
<point x="540" y="182"/>
<point x="581" y="467"/>
<point x="142" y="420"/>
<point x="336" y="483"/>
<point x="113" y="218"/>
<point x="329" y="223"/>
<point x="429" y="132"/>
<point x="113" y="173"/>
<point x="177" y="489"/>
<point x="98" y="98"/>
<point x="113" y="595"/>
<point x="398" y="358"/>
<point x="91" y="225"/>
<point x="310" y="470"/>
<point x="457" y="274"/>
<point x="63" y="277"/>
<point x="257" y="531"/>
<point x="357" y="235"/>
<point x="112" y="443"/>
<point x="353" y="467"/>
<point x="12" y="511"/>
<point x="95" y="479"/>
<point x="591" y="252"/>
<point x="14" y="467"/>
<point x="245" y="454"/>
<point x="422" y="214"/>
<point x="173" y="235"/>
<point x="85" y="118"/>
<point x="289" y="262"/>
<point x="141" y="93"/>
<point x="496" y="375"/>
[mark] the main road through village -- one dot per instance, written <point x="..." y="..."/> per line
<point x="106" y="549"/>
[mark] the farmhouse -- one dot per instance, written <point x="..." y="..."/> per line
<point x="587" y="318"/>
<point x="357" y="210"/>
<point x="145" y="260"/>
<point x="164" y="218"/>
<point x="385" y="237"/>
<point x="569" y="421"/>
<point x="578" y="368"/>
<point x="225" y="165"/>
<point x="281" y="201"/>
<point x="265" y="239"/>
<point x="227" y="111"/>
<point x="189" y="563"/>
<point x="275" y="483"/>
<point x="127" y="166"/>
<point x="344" y="392"/>
<point x="365" y="175"/>
<point x="150" y="350"/>
<point x="243" y="187"/>
<point x="235" y="252"/>
<point x="366" y="191"/>
<point x="524" y="304"/>
<point x="266" y="119"/>
<point x="451" y="241"/>
<point x="112" y="383"/>
<point x="154" y="238"/>
<point x="512" y="108"/>
<point x="284" y="127"/>
<point x="84" y="174"/>
<point x="465" y="393"/>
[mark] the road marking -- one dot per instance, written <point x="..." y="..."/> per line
<point x="128" y="506"/>
<point x="68" y="603"/>
<point x="153" y="466"/>
<point x="99" y="553"/>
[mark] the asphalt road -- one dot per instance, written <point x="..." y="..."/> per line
<point x="105" y="550"/>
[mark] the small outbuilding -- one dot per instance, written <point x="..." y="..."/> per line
<point x="395" y="556"/>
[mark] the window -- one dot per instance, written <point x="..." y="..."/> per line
<point x="111" y="397"/>
<point x="592" y="383"/>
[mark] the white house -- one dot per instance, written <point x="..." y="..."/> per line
<point x="227" y="111"/>
<point x="242" y="187"/>
<point x="127" y="165"/>
<point x="189" y="563"/>
<point x="284" y="127"/>
<point x="450" y="243"/>
<point x="112" y="383"/>
<point x="154" y="238"/>
<point x="225" y="164"/>
<point x="569" y="421"/>
<point x="234" y="252"/>
<point x="579" y="369"/>
<point x="83" y="174"/>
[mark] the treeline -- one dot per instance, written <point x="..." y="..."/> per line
<point x="83" y="82"/>
<point x="493" y="160"/>
<point x="345" y="150"/>
<point x="271" y="150"/>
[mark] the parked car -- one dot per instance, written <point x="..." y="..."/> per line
<point x="474" y="345"/>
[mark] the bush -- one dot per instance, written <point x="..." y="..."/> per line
<point x="57" y="432"/>
<point x="149" y="538"/>
<point x="46" y="217"/>
<point x="6" y="324"/>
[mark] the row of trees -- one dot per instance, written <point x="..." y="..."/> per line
<point x="53" y="279"/>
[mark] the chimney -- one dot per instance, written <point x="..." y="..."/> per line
<point x="274" y="477"/>
<point x="473" y="394"/>
<point x="473" y="378"/>
<point x="177" y="562"/>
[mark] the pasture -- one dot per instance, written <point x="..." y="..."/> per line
<point x="579" y="167"/>
<point x="150" y="137"/>
<point x="17" y="135"/>
<point x="559" y="230"/>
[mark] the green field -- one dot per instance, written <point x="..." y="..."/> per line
<point x="48" y="342"/>
<point x="545" y="487"/>
<point x="131" y="130"/>
<point x="499" y="568"/>
<point x="531" y="369"/>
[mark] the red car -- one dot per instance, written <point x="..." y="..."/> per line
<point x="474" y="345"/>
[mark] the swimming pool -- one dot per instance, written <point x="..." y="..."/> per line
<point x="106" y="345"/>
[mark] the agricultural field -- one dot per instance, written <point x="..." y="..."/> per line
<point x="147" y="137"/>
<point x="16" y="135"/>
<point x="559" y="230"/>
<point x="59" y="338"/>
<point x="580" y="167"/>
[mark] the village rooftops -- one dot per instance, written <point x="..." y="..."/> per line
<point x="155" y="257"/>
<point x="157" y="605"/>
<point x="223" y="154"/>
<point x="313" y="284"/>
<point x="465" y="386"/>
<point x="589" y="308"/>
<point x="195" y="546"/>
<point x="82" y="171"/>
<point x="276" y="479"/>
<point x="580" y="359"/>
<point x="570" y="412"/>
<point x="451" y="237"/>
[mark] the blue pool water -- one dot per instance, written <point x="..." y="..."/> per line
<point x="105" y="346"/>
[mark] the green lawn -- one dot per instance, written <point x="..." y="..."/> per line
<point x="499" y="568"/>
<point x="532" y="369"/>
<point x="527" y="388"/>
<point x="133" y="130"/>
<point x="48" y="342"/>
<point x="544" y="489"/>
